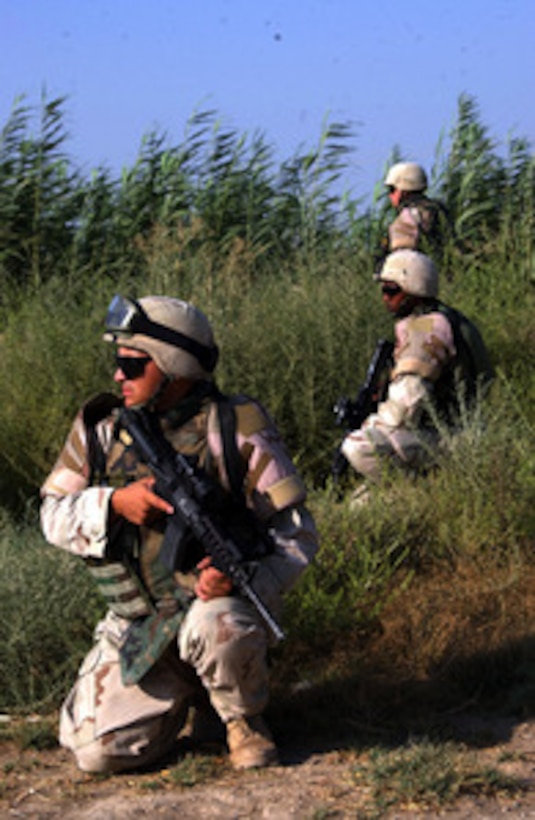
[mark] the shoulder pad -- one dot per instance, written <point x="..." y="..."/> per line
<point x="421" y="324"/>
<point x="427" y="325"/>
<point x="250" y="416"/>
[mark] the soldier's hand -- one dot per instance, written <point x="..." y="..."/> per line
<point x="138" y="503"/>
<point x="211" y="583"/>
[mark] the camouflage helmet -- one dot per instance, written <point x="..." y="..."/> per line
<point x="407" y="176"/>
<point x="414" y="272"/>
<point x="177" y="335"/>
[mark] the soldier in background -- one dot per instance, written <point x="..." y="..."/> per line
<point x="421" y="223"/>
<point x="169" y="633"/>
<point x="440" y="368"/>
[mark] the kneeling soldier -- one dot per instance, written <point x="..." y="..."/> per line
<point x="172" y="629"/>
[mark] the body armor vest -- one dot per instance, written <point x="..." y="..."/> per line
<point x="132" y="578"/>
<point x="136" y="584"/>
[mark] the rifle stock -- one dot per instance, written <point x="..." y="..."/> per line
<point x="187" y="490"/>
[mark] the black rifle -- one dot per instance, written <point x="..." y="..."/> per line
<point x="191" y="492"/>
<point x="350" y="413"/>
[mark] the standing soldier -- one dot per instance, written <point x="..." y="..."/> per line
<point x="421" y="223"/>
<point x="170" y="630"/>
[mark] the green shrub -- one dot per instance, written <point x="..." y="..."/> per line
<point x="48" y="609"/>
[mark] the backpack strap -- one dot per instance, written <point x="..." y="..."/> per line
<point x="472" y="355"/>
<point x="234" y="465"/>
<point x="94" y="411"/>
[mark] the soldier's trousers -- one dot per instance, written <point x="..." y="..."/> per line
<point x="112" y="727"/>
<point x="369" y="450"/>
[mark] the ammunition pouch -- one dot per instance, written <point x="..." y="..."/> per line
<point x="120" y="587"/>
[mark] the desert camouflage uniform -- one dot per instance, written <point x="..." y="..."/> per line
<point x="400" y="430"/>
<point x="111" y="722"/>
<point x="420" y="224"/>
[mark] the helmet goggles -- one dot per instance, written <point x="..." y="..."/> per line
<point x="126" y="317"/>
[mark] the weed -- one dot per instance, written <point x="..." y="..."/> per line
<point x="193" y="770"/>
<point x="425" y="775"/>
<point x="152" y="785"/>
<point x="35" y="734"/>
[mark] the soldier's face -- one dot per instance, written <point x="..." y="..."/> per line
<point x="395" y="197"/>
<point x="393" y="297"/>
<point x="139" y="386"/>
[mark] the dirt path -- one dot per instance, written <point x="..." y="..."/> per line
<point x="309" y="784"/>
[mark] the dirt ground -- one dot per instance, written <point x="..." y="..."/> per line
<point x="322" y="773"/>
<point x="309" y="783"/>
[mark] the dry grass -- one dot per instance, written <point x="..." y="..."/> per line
<point x="450" y="642"/>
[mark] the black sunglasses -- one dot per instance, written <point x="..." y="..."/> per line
<point x="390" y="290"/>
<point x="132" y="367"/>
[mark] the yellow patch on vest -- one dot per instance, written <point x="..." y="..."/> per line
<point x="250" y="419"/>
<point x="287" y="491"/>
<point x="422" y="324"/>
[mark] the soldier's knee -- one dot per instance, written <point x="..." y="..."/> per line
<point x="221" y="630"/>
<point x="126" y="748"/>
<point x="361" y="454"/>
<point x="248" y="641"/>
<point x="94" y="759"/>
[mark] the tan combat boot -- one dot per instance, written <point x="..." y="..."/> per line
<point x="250" y="743"/>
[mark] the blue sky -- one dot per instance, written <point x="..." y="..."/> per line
<point x="282" y="67"/>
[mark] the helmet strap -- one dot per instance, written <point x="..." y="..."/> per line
<point x="160" y="390"/>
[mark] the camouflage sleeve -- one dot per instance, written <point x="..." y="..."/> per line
<point x="296" y="543"/>
<point x="424" y="345"/>
<point x="277" y="495"/>
<point x="74" y="516"/>
<point x="404" y="231"/>
<point x="403" y="403"/>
